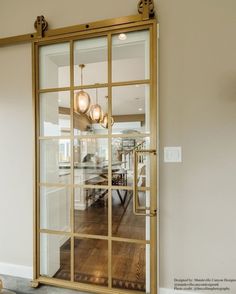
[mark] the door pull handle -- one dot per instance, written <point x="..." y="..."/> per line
<point x="137" y="210"/>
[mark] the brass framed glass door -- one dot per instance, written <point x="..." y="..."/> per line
<point x="96" y="197"/>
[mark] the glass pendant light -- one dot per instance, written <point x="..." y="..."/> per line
<point x="104" y="122"/>
<point x="82" y="98"/>
<point x="96" y="110"/>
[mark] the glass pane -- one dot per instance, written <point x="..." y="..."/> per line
<point x="55" y="114"/>
<point x="55" y="256"/>
<point x="91" y="161"/>
<point x="125" y="223"/>
<point x="91" y="261"/>
<point x="83" y="123"/>
<point x="129" y="266"/>
<point x="123" y="161"/>
<point x="55" y="208"/>
<point x="131" y="109"/>
<point x="54" y="66"/>
<point x="93" y="54"/>
<point x="130" y="56"/>
<point x="55" y="161"/>
<point x="91" y="211"/>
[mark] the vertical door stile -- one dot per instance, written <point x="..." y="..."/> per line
<point x="35" y="275"/>
<point x="109" y="40"/>
<point x="37" y="158"/>
<point x="153" y="70"/>
<point x="72" y="159"/>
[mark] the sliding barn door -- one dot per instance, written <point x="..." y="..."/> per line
<point x="97" y="178"/>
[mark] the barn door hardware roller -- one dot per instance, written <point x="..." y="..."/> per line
<point x="146" y="8"/>
<point x="41" y="26"/>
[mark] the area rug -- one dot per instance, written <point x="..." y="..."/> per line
<point x="101" y="281"/>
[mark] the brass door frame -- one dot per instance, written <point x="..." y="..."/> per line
<point x="106" y="28"/>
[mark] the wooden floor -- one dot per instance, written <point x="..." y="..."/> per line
<point x="91" y="255"/>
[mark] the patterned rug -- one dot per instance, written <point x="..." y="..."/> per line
<point x="101" y="281"/>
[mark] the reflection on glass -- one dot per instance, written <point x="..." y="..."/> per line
<point x="55" y="256"/>
<point x="83" y="123"/>
<point x="125" y="223"/>
<point x="55" y="161"/>
<point x="91" y="261"/>
<point x="55" y="114"/>
<point x="130" y="109"/>
<point x="91" y="211"/>
<point x="93" y="54"/>
<point x="55" y="208"/>
<point x="123" y="161"/>
<point x="54" y="66"/>
<point x="91" y="161"/>
<point x="129" y="266"/>
<point x="130" y="56"/>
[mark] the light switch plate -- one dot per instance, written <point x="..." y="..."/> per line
<point x="172" y="154"/>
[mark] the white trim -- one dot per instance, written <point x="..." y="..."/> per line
<point x="79" y="206"/>
<point x="64" y="239"/>
<point x="172" y="291"/>
<point x="16" y="270"/>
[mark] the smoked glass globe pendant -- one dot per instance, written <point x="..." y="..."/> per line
<point x="105" y="120"/>
<point x="96" y="110"/>
<point x="82" y="98"/>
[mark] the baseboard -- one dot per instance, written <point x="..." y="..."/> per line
<point x="16" y="270"/>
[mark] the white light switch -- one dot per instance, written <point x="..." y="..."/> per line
<point x="172" y="154"/>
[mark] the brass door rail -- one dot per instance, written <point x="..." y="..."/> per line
<point x="145" y="10"/>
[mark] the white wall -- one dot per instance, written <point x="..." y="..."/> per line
<point x="16" y="128"/>
<point x="197" y="111"/>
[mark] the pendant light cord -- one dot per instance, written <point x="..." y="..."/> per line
<point x="107" y="103"/>
<point x="81" y="73"/>
<point x="81" y="76"/>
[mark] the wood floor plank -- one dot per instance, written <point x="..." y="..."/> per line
<point x="91" y="255"/>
